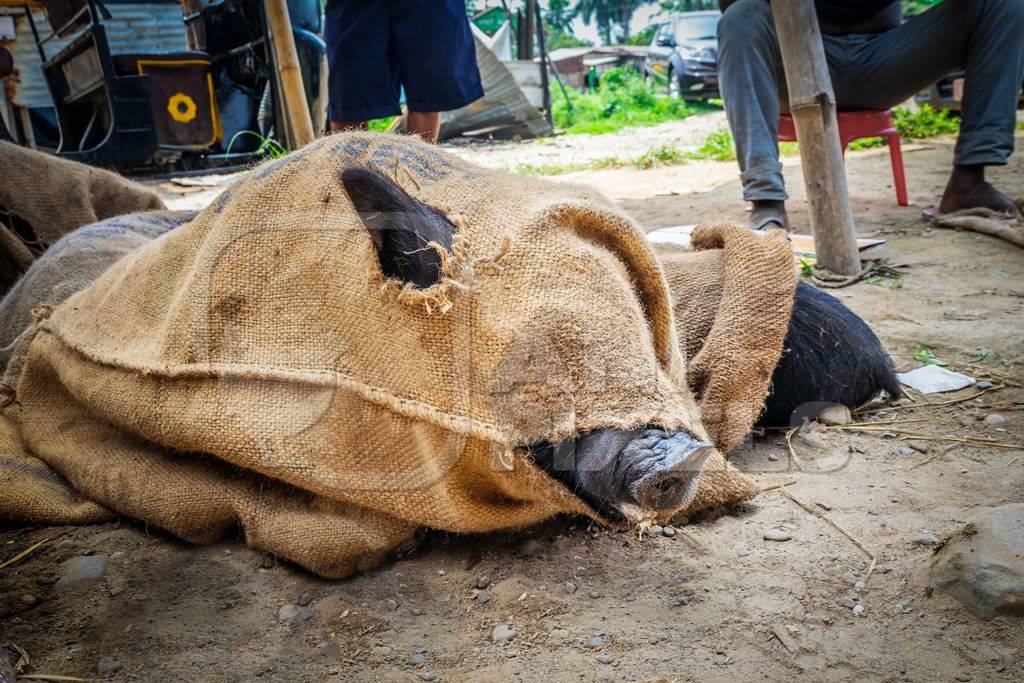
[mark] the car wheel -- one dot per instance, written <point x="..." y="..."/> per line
<point x="674" y="90"/>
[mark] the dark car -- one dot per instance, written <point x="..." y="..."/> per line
<point x="684" y="55"/>
<point x="947" y="93"/>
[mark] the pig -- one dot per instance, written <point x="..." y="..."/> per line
<point x="624" y="474"/>
<point x="620" y="473"/>
<point x="829" y="355"/>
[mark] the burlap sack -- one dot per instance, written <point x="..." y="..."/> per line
<point x="254" y="368"/>
<point x="732" y="299"/>
<point x="72" y="263"/>
<point x="56" y="196"/>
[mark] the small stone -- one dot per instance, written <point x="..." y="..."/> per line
<point x="427" y="676"/>
<point x="594" y="642"/>
<point x="268" y="561"/>
<point x="831" y="558"/>
<point x="305" y="615"/>
<point x="906" y="450"/>
<point x="606" y="658"/>
<point x="305" y="599"/>
<point x="596" y="594"/>
<point x="417" y="659"/>
<point x="380" y="651"/>
<point x="772" y="457"/>
<point x="668" y="531"/>
<point x="287" y="612"/>
<point x="569" y="587"/>
<point x="859" y="585"/>
<point x="417" y="611"/>
<point x="502" y="633"/>
<point x="29" y="601"/>
<point x="483" y="582"/>
<point x="984" y="384"/>
<point x="115" y="589"/>
<point x="963" y="678"/>
<point x="742" y="553"/>
<point x="483" y="598"/>
<point x="994" y="419"/>
<point x="849" y="577"/>
<point x="884" y="523"/>
<point x="82" y="569"/>
<point x="834" y="414"/>
<point x="392" y="604"/>
<point x="777" y="535"/>
<point x="108" y="666"/>
<point x="858" y="610"/>
<point x="926" y="539"/>
<point x="847" y="602"/>
<point x="652" y="531"/>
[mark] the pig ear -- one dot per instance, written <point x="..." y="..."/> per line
<point x="402" y="228"/>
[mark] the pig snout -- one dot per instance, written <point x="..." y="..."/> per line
<point x="661" y="469"/>
<point x="628" y="473"/>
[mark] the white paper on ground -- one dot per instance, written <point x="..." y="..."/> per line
<point x="679" y="235"/>
<point x="933" y="379"/>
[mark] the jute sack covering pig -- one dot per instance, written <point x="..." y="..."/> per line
<point x="44" y="198"/>
<point x="256" y="367"/>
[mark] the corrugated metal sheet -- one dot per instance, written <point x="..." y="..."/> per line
<point x="135" y="27"/>
<point x="503" y="103"/>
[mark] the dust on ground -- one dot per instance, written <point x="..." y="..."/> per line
<point x="713" y="602"/>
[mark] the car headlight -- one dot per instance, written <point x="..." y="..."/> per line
<point x="688" y="53"/>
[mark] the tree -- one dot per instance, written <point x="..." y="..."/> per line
<point x="559" y="14"/>
<point x="678" y="6"/>
<point x="607" y="14"/>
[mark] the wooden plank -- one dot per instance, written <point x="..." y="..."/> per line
<point x="813" y="108"/>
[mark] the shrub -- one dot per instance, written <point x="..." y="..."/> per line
<point x="623" y="98"/>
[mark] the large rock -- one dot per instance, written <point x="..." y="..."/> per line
<point x="982" y="564"/>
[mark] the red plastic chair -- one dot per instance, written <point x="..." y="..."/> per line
<point x="854" y="125"/>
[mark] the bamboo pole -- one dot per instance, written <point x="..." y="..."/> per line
<point x="813" y="108"/>
<point x="293" y="95"/>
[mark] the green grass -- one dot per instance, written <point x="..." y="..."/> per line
<point x="720" y="146"/>
<point x="381" y="125"/>
<point x="916" y="124"/>
<point x="623" y="99"/>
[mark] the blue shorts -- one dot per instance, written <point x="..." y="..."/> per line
<point x="376" y="47"/>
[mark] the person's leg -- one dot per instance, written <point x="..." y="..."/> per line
<point x="426" y="124"/>
<point x="751" y="81"/>
<point x="984" y="36"/>
<point x="362" y="79"/>
<point x="436" y="54"/>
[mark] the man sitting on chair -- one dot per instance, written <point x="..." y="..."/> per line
<point x="875" y="62"/>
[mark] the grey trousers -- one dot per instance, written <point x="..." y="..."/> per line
<point x="986" y="37"/>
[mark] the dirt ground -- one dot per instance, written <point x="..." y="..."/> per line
<point x="586" y="603"/>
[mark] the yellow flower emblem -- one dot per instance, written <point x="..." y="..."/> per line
<point x="181" y="107"/>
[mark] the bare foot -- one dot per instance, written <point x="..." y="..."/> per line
<point x="768" y="215"/>
<point x="967" y="189"/>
